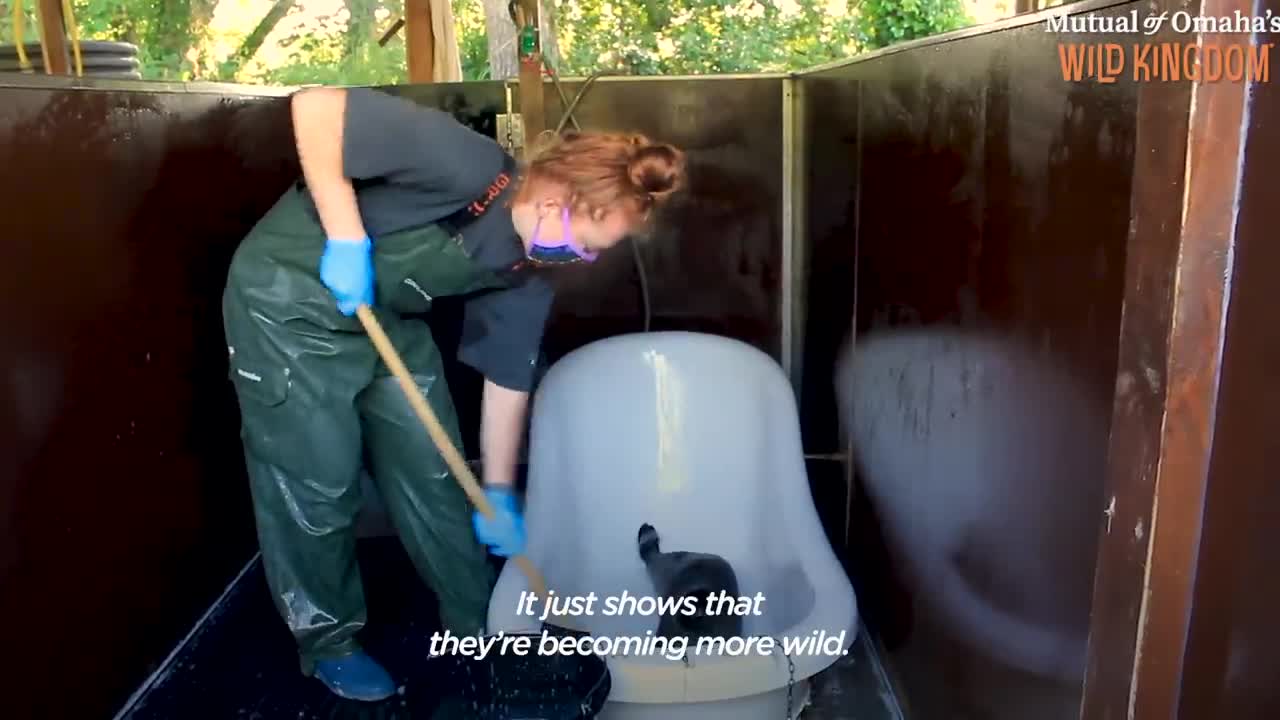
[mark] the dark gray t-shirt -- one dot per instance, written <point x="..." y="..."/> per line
<point x="413" y="165"/>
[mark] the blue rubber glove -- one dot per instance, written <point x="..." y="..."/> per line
<point x="504" y="534"/>
<point x="346" y="268"/>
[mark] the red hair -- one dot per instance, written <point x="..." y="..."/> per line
<point x="607" y="170"/>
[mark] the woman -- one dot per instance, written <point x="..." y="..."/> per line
<point x="398" y="204"/>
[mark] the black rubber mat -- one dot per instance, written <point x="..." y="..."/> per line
<point x="241" y="664"/>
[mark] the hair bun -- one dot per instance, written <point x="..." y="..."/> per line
<point x="657" y="170"/>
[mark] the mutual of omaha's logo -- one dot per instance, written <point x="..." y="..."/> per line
<point x="1166" y="62"/>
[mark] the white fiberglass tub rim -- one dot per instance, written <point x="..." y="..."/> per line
<point x="653" y="680"/>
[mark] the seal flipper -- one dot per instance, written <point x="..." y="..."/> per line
<point x="647" y="540"/>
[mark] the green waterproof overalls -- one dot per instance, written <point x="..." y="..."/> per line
<point x="316" y="402"/>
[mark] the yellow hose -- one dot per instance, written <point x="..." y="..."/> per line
<point x="18" y="20"/>
<point x="69" y="17"/>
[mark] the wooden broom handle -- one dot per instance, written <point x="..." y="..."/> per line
<point x="456" y="463"/>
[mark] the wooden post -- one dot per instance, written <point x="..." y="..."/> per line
<point x="53" y="38"/>
<point x="532" y="101"/>
<point x="419" y="41"/>
<point x="1188" y="147"/>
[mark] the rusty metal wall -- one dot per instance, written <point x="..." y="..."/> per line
<point x="1234" y="639"/>
<point x="968" y="215"/>
<point x="1196" y="600"/>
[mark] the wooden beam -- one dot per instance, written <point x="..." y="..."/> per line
<point x="53" y="38"/>
<point x="532" y="99"/>
<point x="420" y="46"/>
<point x="1182" y="234"/>
<point x="391" y="32"/>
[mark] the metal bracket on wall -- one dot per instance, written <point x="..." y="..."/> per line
<point x="510" y="131"/>
<point x="795" y="270"/>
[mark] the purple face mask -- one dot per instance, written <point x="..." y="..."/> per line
<point x="557" y="252"/>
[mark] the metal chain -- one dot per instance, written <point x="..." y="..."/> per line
<point x="511" y="140"/>
<point x="791" y="682"/>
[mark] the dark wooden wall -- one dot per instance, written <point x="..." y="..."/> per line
<point x="968" y="214"/>
<point x="1078" y="273"/>
<point x="1232" y="646"/>
<point x="1178" y="626"/>
<point x="1235" y="630"/>
<point x="124" y="511"/>
<point x="1207" y="636"/>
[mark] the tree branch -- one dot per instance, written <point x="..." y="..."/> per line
<point x="253" y="42"/>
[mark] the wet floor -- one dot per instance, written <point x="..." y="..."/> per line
<point x="856" y="687"/>
<point x="241" y="665"/>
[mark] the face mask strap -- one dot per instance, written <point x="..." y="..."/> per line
<point x="566" y="241"/>
<point x="536" y="240"/>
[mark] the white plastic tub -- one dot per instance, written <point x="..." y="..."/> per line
<point x="697" y="435"/>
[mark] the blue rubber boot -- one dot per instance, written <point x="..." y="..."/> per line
<point x="356" y="677"/>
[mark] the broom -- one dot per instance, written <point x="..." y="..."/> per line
<point x="440" y="437"/>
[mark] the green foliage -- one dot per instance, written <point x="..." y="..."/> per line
<point x="473" y="44"/>
<point x="885" y="22"/>
<point x="163" y="30"/>
<point x="322" y="56"/>
<point x="31" y="30"/>
<point x="639" y="37"/>
<point x="316" y="62"/>
<point x="678" y="37"/>
<point x="141" y="22"/>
